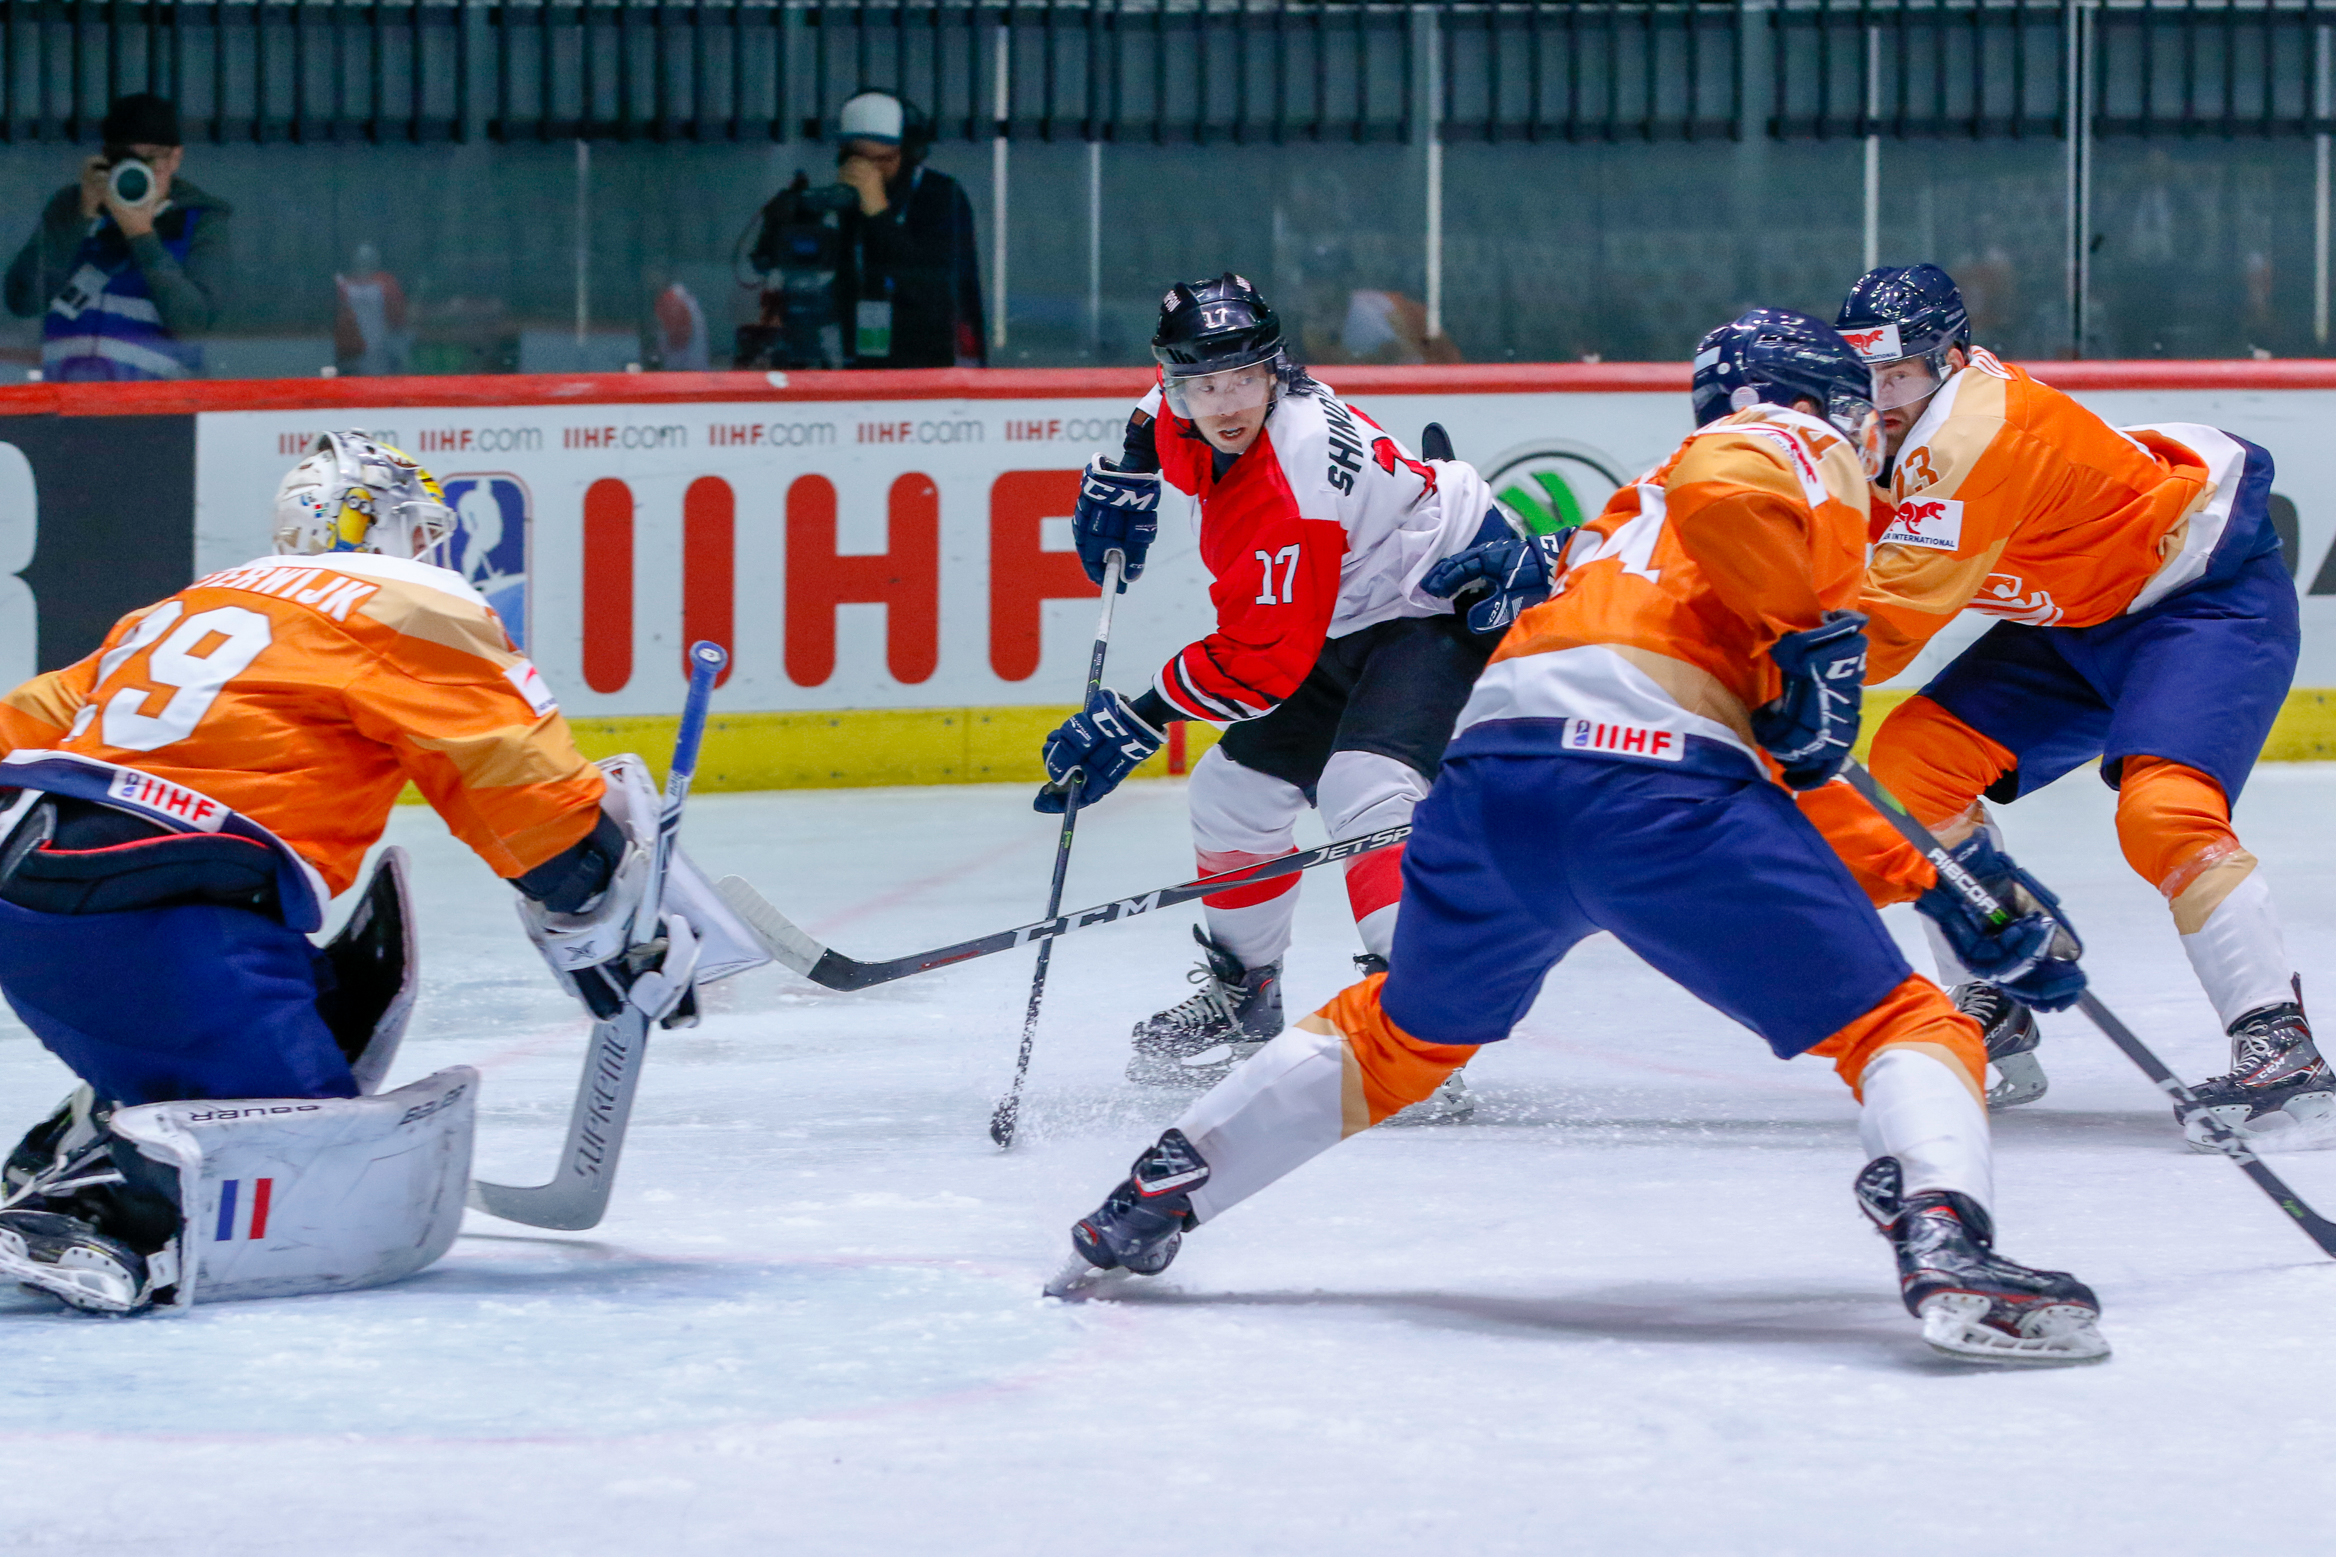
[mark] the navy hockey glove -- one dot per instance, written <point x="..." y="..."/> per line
<point x="2034" y="957"/>
<point x="1118" y="510"/>
<point x="1103" y="743"/>
<point x="1499" y="575"/>
<point x="1810" y="728"/>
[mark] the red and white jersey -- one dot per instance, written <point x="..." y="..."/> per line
<point x="1322" y="527"/>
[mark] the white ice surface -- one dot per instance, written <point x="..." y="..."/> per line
<point x="1629" y="1309"/>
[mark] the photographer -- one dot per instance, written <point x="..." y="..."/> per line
<point x="129" y="265"/>
<point x="908" y="285"/>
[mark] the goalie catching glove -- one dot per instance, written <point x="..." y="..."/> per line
<point x="1812" y="725"/>
<point x="579" y="908"/>
<point x="2033" y="957"/>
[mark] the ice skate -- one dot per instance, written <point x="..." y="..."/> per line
<point x="1197" y="1043"/>
<point x="2012" y="1036"/>
<point x="2280" y="1093"/>
<point x="1141" y="1224"/>
<point x="68" y="1258"/>
<point x="1973" y="1303"/>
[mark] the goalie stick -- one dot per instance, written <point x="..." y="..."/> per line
<point x="577" y="1196"/>
<point x="2316" y="1227"/>
<point x="1009" y="1110"/>
<point x="823" y="965"/>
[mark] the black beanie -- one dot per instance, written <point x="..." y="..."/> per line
<point x="141" y="119"/>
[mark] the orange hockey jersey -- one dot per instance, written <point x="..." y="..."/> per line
<point x="304" y="692"/>
<point x="2012" y="499"/>
<point x="1654" y="646"/>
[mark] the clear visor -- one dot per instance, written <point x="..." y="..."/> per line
<point x="1905" y="381"/>
<point x="1226" y="393"/>
<point x="1863" y="423"/>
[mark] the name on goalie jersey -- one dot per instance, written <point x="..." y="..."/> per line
<point x="1933" y="523"/>
<point x="1625" y="740"/>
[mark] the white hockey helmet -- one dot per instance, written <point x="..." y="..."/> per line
<point x="354" y="494"/>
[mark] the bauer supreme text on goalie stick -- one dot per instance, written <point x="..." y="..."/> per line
<point x="1009" y="1110"/>
<point x="2316" y="1227"/>
<point x="577" y="1195"/>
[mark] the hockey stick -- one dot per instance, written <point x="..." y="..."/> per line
<point x="577" y="1195"/>
<point x="1009" y="1110"/>
<point x="2218" y="1135"/>
<point x="823" y="965"/>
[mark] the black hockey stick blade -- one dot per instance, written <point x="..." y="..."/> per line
<point x="2218" y="1135"/>
<point x="823" y="965"/>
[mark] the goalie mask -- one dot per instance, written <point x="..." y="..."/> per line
<point x="353" y="494"/>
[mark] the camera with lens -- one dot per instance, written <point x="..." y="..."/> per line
<point x="129" y="180"/>
<point x="797" y="244"/>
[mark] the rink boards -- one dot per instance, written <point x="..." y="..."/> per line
<point x="887" y="556"/>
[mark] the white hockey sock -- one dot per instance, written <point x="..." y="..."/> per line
<point x="2237" y="951"/>
<point x="1951" y="969"/>
<point x="1378" y="929"/>
<point x="1258" y="934"/>
<point x="1284" y="1106"/>
<point x="1920" y="1111"/>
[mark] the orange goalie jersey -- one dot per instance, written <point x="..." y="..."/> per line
<point x="2014" y="500"/>
<point x="304" y="692"/>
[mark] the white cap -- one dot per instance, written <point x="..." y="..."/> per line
<point x="872" y="116"/>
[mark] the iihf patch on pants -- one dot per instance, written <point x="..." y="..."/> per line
<point x="1626" y="740"/>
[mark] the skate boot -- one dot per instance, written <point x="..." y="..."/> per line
<point x="2280" y="1091"/>
<point x="1973" y="1303"/>
<point x="1141" y="1224"/>
<point x="70" y="1259"/>
<point x="1449" y="1103"/>
<point x="1197" y="1043"/>
<point x="2012" y="1035"/>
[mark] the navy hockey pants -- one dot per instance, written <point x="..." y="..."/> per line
<point x="1719" y="882"/>
<point x="164" y="1003"/>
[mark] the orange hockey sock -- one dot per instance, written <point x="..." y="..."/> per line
<point x="2175" y="827"/>
<point x="1915" y="1015"/>
<point x="1938" y="765"/>
<point x="1387" y="1070"/>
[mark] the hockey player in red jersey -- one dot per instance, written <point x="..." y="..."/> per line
<point x="1334" y="671"/>
<point x="180" y="807"/>
<point x="2146" y="619"/>
<point x="1617" y="768"/>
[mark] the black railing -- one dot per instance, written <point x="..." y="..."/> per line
<point x="1172" y="71"/>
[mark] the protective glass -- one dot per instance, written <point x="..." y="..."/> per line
<point x="1863" y="424"/>
<point x="1226" y="393"/>
<point x="1905" y="381"/>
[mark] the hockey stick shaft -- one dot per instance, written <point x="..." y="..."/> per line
<point x="2218" y="1135"/>
<point x="1008" y="1113"/>
<point x="577" y="1195"/>
<point x="823" y="965"/>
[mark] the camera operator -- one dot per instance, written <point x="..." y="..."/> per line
<point x="908" y="285"/>
<point x="129" y="265"/>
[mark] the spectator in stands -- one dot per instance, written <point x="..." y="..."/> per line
<point x="124" y="288"/>
<point x="908" y="290"/>
<point x="677" y="342"/>
<point x="369" y="321"/>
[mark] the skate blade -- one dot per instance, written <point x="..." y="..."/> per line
<point x="1446" y="1105"/>
<point x="2018" y="1079"/>
<point x="2058" y="1335"/>
<point x="1077" y="1280"/>
<point x="90" y="1288"/>
<point x="1195" y="1072"/>
<point x="2307" y="1123"/>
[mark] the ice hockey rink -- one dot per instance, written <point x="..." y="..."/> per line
<point x="1630" y="1307"/>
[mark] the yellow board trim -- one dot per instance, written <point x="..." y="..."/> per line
<point x="856" y="747"/>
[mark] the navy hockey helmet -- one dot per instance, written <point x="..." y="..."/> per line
<point x="1209" y="330"/>
<point x="1905" y="313"/>
<point x="1774" y="356"/>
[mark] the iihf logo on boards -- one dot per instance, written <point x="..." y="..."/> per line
<point x="1553" y="485"/>
<point x="493" y="515"/>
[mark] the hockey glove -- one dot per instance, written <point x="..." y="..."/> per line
<point x="1501" y="573"/>
<point x="1102" y="743"/>
<point x="1810" y="728"/>
<point x="1118" y="510"/>
<point x="2033" y="958"/>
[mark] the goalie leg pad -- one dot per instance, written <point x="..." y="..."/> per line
<point x="283" y="1196"/>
